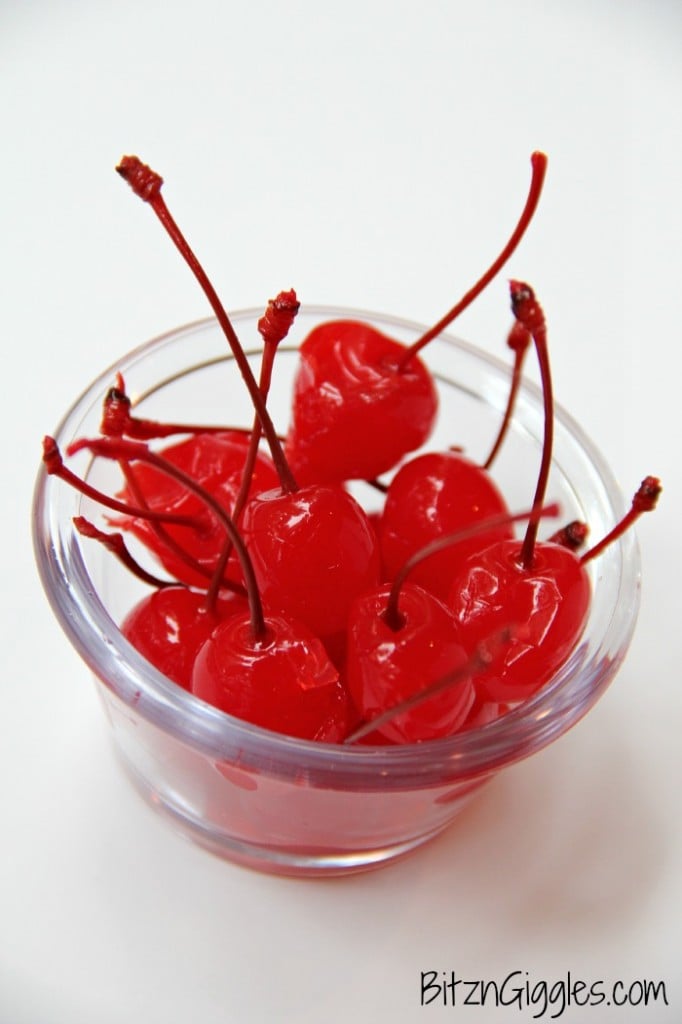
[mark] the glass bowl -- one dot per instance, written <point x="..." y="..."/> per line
<point x="266" y="800"/>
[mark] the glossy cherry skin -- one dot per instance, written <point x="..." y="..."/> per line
<point x="215" y="461"/>
<point x="313" y="552"/>
<point x="545" y="606"/>
<point x="284" y="682"/>
<point x="431" y="496"/>
<point x="355" y="414"/>
<point x="385" y="666"/>
<point x="168" y="627"/>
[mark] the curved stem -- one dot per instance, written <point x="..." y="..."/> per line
<point x="539" y="167"/>
<point x="482" y="657"/>
<point x="115" y="543"/>
<point x="528" y="311"/>
<point x="132" y="451"/>
<point x="519" y="340"/>
<point x="392" y="615"/>
<point x="645" y="500"/>
<point x="55" y="467"/>
<point x="169" y="541"/>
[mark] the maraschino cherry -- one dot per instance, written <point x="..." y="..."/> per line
<point x="281" y="680"/>
<point x="484" y="656"/>
<point x="402" y="639"/>
<point x="389" y="660"/>
<point x="214" y="460"/>
<point x="434" y="495"/>
<point x="440" y="493"/>
<point x="169" y="626"/>
<point x="551" y="597"/>
<point x="267" y="669"/>
<point x="314" y="551"/>
<point x="355" y="412"/>
<point x="363" y="400"/>
<point x="542" y="586"/>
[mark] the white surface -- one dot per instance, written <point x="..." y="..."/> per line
<point x="372" y="154"/>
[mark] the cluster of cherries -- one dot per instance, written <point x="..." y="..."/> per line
<point x="288" y="605"/>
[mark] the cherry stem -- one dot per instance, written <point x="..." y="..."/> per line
<point x="117" y="420"/>
<point x="146" y="184"/>
<point x="55" y="467"/>
<point x="273" y="326"/>
<point x="571" y="536"/>
<point x="134" y="451"/>
<point x="482" y="657"/>
<point x="528" y="312"/>
<point x="391" y="614"/>
<point x="168" y="540"/>
<point x="115" y="543"/>
<point x="539" y="166"/>
<point x="645" y="500"/>
<point x="519" y="339"/>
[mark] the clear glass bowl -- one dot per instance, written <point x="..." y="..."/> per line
<point x="265" y="800"/>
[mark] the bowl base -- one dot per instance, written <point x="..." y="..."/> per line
<point x="294" y="862"/>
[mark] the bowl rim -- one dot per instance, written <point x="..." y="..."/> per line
<point x="478" y="751"/>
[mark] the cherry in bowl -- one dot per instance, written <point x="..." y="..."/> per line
<point x="279" y="803"/>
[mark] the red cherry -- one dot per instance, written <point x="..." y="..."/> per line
<point x="282" y="680"/>
<point x="355" y="413"/>
<point x="431" y="496"/>
<point x="216" y="463"/>
<point x="550" y="598"/>
<point x="542" y="588"/>
<point x="169" y="626"/>
<point x="548" y="602"/>
<point x="362" y="401"/>
<point x="398" y="651"/>
<point x="313" y="551"/>
<point x="272" y="670"/>
<point x="439" y="494"/>
<point x="388" y="663"/>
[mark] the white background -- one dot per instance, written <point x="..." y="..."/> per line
<point x="371" y="154"/>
